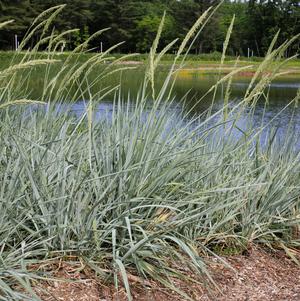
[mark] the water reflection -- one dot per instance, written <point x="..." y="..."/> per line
<point x="272" y="114"/>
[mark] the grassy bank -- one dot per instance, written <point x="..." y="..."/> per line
<point x="139" y="189"/>
<point x="205" y="63"/>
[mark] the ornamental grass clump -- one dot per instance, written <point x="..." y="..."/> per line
<point x="139" y="188"/>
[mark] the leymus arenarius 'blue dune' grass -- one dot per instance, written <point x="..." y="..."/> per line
<point x="138" y="188"/>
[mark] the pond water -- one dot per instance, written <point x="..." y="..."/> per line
<point x="280" y="93"/>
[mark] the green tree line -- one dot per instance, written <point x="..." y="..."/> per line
<point x="135" y="22"/>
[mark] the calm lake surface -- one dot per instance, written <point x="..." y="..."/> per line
<point x="281" y="92"/>
<point x="196" y="84"/>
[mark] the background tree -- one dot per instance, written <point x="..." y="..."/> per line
<point x="22" y="11"/>
<point x="76" y="14"/>
<point x="136" y="21"/>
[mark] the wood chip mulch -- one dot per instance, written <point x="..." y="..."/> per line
<point x="257" y="276"/>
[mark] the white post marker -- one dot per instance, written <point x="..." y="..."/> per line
<point x="16" y="42"/>
<point x="101" y="47"/>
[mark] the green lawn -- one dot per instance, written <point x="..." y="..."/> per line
<point x="206" y="63"/>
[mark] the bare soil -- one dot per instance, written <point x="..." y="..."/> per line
<point x="259" y="275"/>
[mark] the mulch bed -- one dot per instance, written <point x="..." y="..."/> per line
<point x="259" y="275"/>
